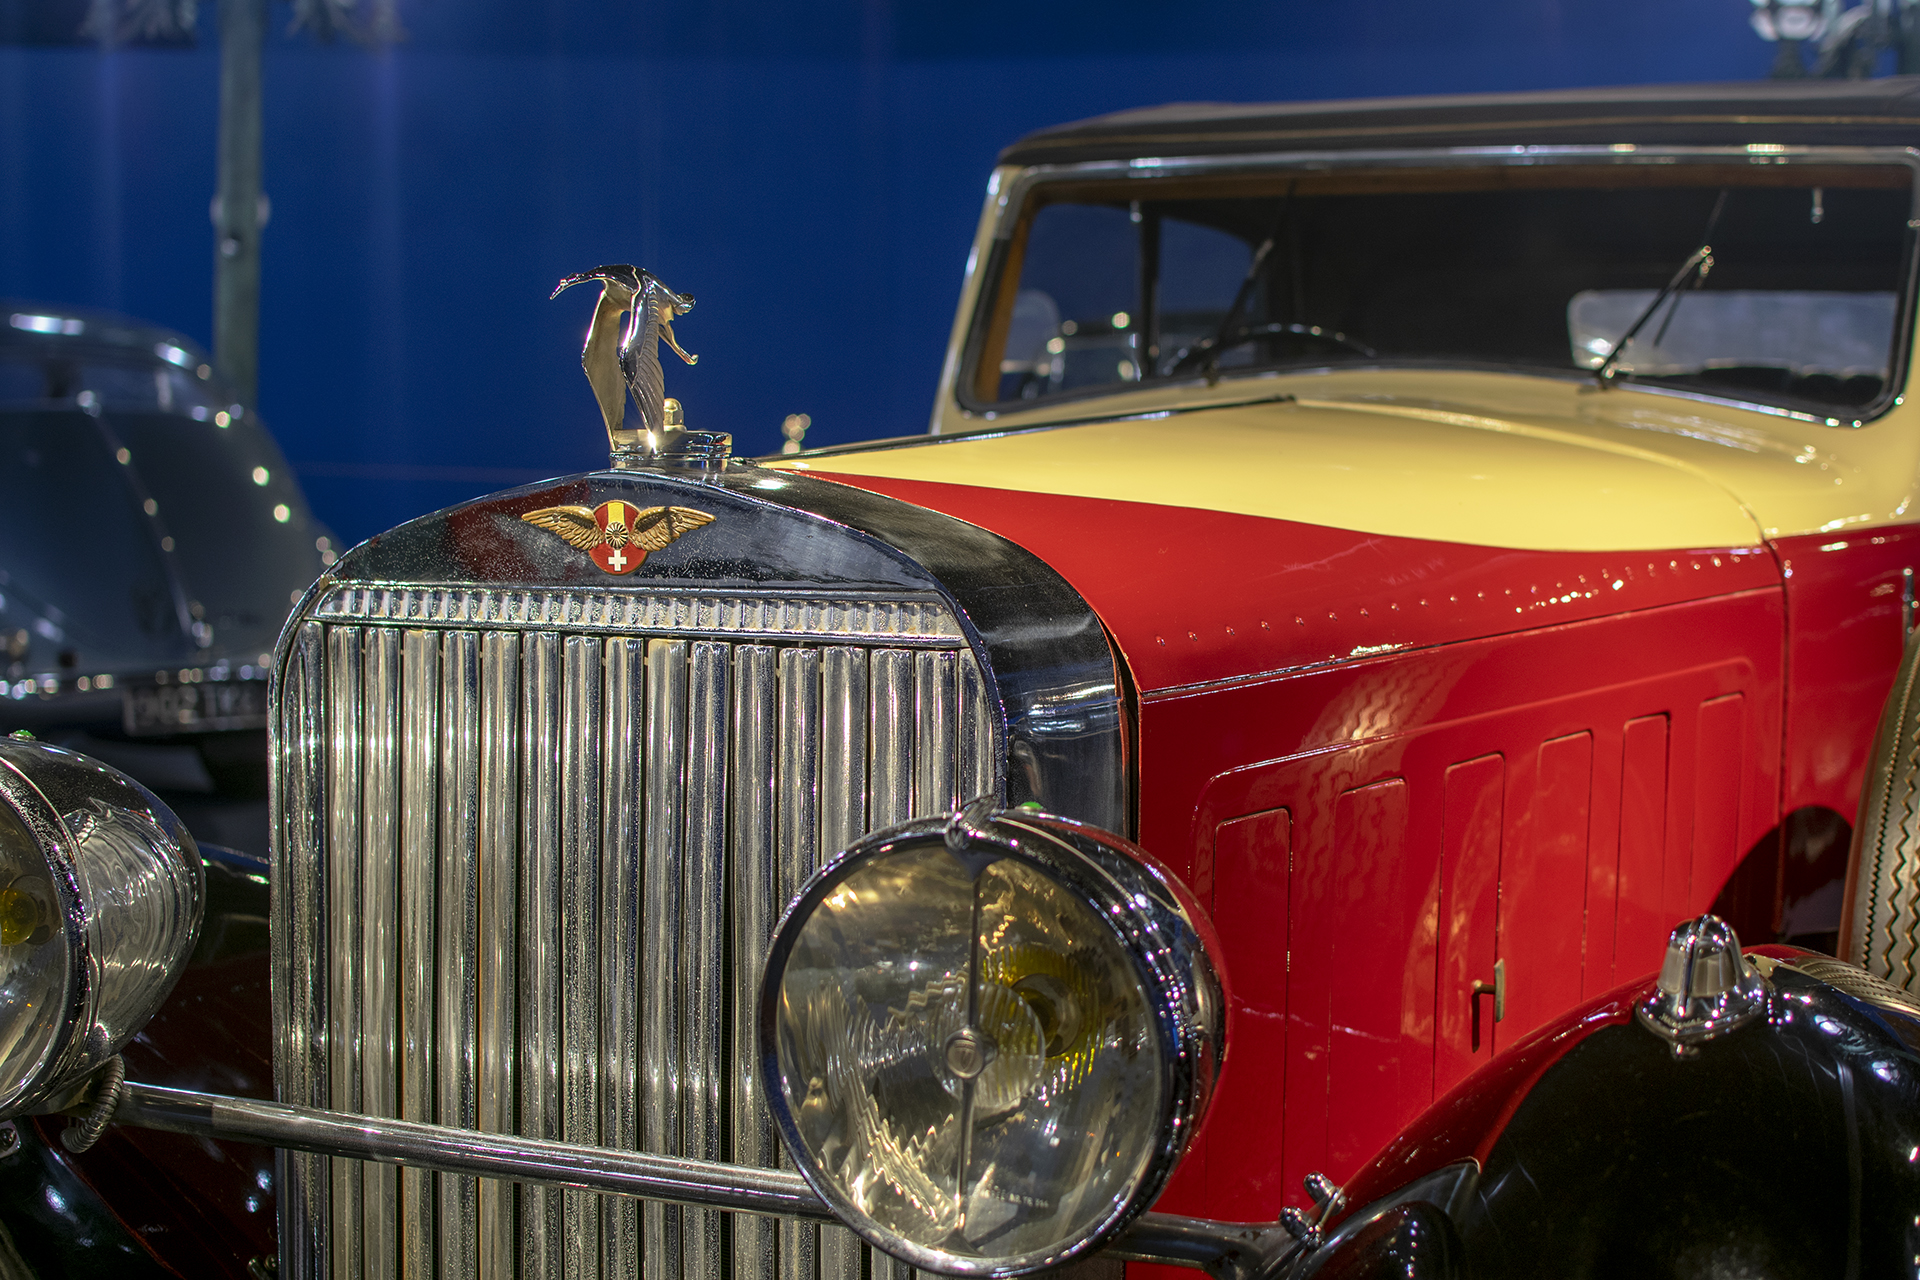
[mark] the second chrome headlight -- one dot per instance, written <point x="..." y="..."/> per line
<point x="987" y="1039"/>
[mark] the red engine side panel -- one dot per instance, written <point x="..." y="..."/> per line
<point x="1413" y="780"/>
<point x="1844" y="615"/>
<point x="1375" y="837"/>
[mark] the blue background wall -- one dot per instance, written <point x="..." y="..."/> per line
<point x="811" y="172"/>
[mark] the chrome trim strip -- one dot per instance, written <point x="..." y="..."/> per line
<point x="936" y="750"/>
<point x="540" y="1017"/>
<point x="797" y="844"/>
<point x="703" y="917"/>
<point x="661" y="954"/>
<point x="298" y="754"/>
<point x="1233" y="1251"/>
<point x="458" y="942"/>
<point x="622" y="848"/>
<point x="755" y="888"/>
<point x="974" y="734"/>
<point x="842" y="757"/>
<point x="674" y="610"/>
<point x="344" y="860"/>
<point x="380" y="935"/>
<point x="891" y="764"/>
<point x="419" y="850"/>
<point x="499" y="933"/>
<point x="580" y="729"/>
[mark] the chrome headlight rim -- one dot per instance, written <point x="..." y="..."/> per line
<point x="1153" y="925"/>
<point x="129" y="890"/>
<point x="43" y="824"/>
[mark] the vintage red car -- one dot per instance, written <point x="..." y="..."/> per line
<point x="1454" y="538"/>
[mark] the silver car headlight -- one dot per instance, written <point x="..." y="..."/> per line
<point x="100" y="898"/>
<point x="987" y="1039"/>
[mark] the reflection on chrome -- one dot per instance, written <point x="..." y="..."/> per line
<point x="982" y="1038"/>
<point x="983" y="1080"/>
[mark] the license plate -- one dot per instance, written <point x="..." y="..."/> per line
<point x="148" y="710"/>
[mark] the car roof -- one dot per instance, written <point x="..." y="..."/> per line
<point x="57" y="326"/>
<point x="1884" y="112"/>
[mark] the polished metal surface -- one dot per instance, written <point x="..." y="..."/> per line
<point x="580" y="942"/>
<point x="456" y="995"/>
<point x="572" y="845"/>
<point x="498" y="936"/>
<point x="722" y="615"/>
<point x="345" y="740"/>
<point x="622" y="848"/>
<point x="105" y="894"/>
<point x="629" y="354"/>
<point x="419" y="862"/>
<point x="757" y="902"/>
<point x="379" y="991"/>
<point x="1706" y="988"/>
<point x="1228" y="1250"/>
<point x="1162" y="949"/>
<point x="796" y="552"/>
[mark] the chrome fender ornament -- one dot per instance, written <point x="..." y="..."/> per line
<point x="1706" y="987"/>
<point x="622" y="358"/>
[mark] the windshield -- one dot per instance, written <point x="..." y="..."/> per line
<point x="1542" y="267"/>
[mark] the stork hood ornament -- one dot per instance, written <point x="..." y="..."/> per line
<point x="622" y="359"/>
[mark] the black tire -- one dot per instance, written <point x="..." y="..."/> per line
<point x="1880" y="925"/>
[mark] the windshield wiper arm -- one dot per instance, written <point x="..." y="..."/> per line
<point x="1700" y="260"/>
<point x="1245" y="291"/>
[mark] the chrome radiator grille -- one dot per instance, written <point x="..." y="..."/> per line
<point x="532" y="847"/>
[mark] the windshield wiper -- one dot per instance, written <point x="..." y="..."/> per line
<point x="1245" y="291"/>
<point x="1700" y="260"/>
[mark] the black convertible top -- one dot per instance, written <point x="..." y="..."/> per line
<point x="1882" y="112"/>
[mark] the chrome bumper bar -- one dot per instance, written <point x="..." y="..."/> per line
<point x="1228" y="1250"/>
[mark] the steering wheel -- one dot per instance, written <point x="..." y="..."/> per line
<point x="1200" y="353"/>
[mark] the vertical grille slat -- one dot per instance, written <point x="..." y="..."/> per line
<point x="621" y="926"/>
<point x="499" y="933"/>
<point x="538" y="872"/>
<point x="344" y="777"/>
<point x="797" y="836"/>
<point x="419" y="855"/>
<point x="703" y="974"/>
<point x="539" y="946"/>
<point x="580" y="730"/>
<point x="380" y="940"/>
<point x="661" y="948"/>
<point x="300" y="1002"/>
<point x="755" y="890"/>
<point x="457" y="944"/>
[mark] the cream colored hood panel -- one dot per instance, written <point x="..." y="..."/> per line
<point x="1487" y="459"/>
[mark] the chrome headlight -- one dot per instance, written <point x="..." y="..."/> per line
<point x="100" y="899"/>
<point x="987" y="1039"/>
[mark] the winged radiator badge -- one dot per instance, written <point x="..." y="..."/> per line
<point x="618" y="535"/>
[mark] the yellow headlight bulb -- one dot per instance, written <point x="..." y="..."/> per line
<point x="24" y="919"/>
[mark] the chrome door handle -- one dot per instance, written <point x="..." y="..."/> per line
<point x="1498" y="990"/>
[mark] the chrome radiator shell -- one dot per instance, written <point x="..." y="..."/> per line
<point x="534" y="825"/>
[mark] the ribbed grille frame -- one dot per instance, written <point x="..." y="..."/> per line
<point x="481" y="826"/>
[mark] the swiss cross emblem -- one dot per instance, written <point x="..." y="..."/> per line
<point x="618" y="535"/>
<point x="614" y="553"/>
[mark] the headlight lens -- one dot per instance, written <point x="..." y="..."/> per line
<point x="100" y="899"/>
<point x="987" y="1040"/>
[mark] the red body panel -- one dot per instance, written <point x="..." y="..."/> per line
<point x="1388" y="764"/>
<point x="1844" y="641"/>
